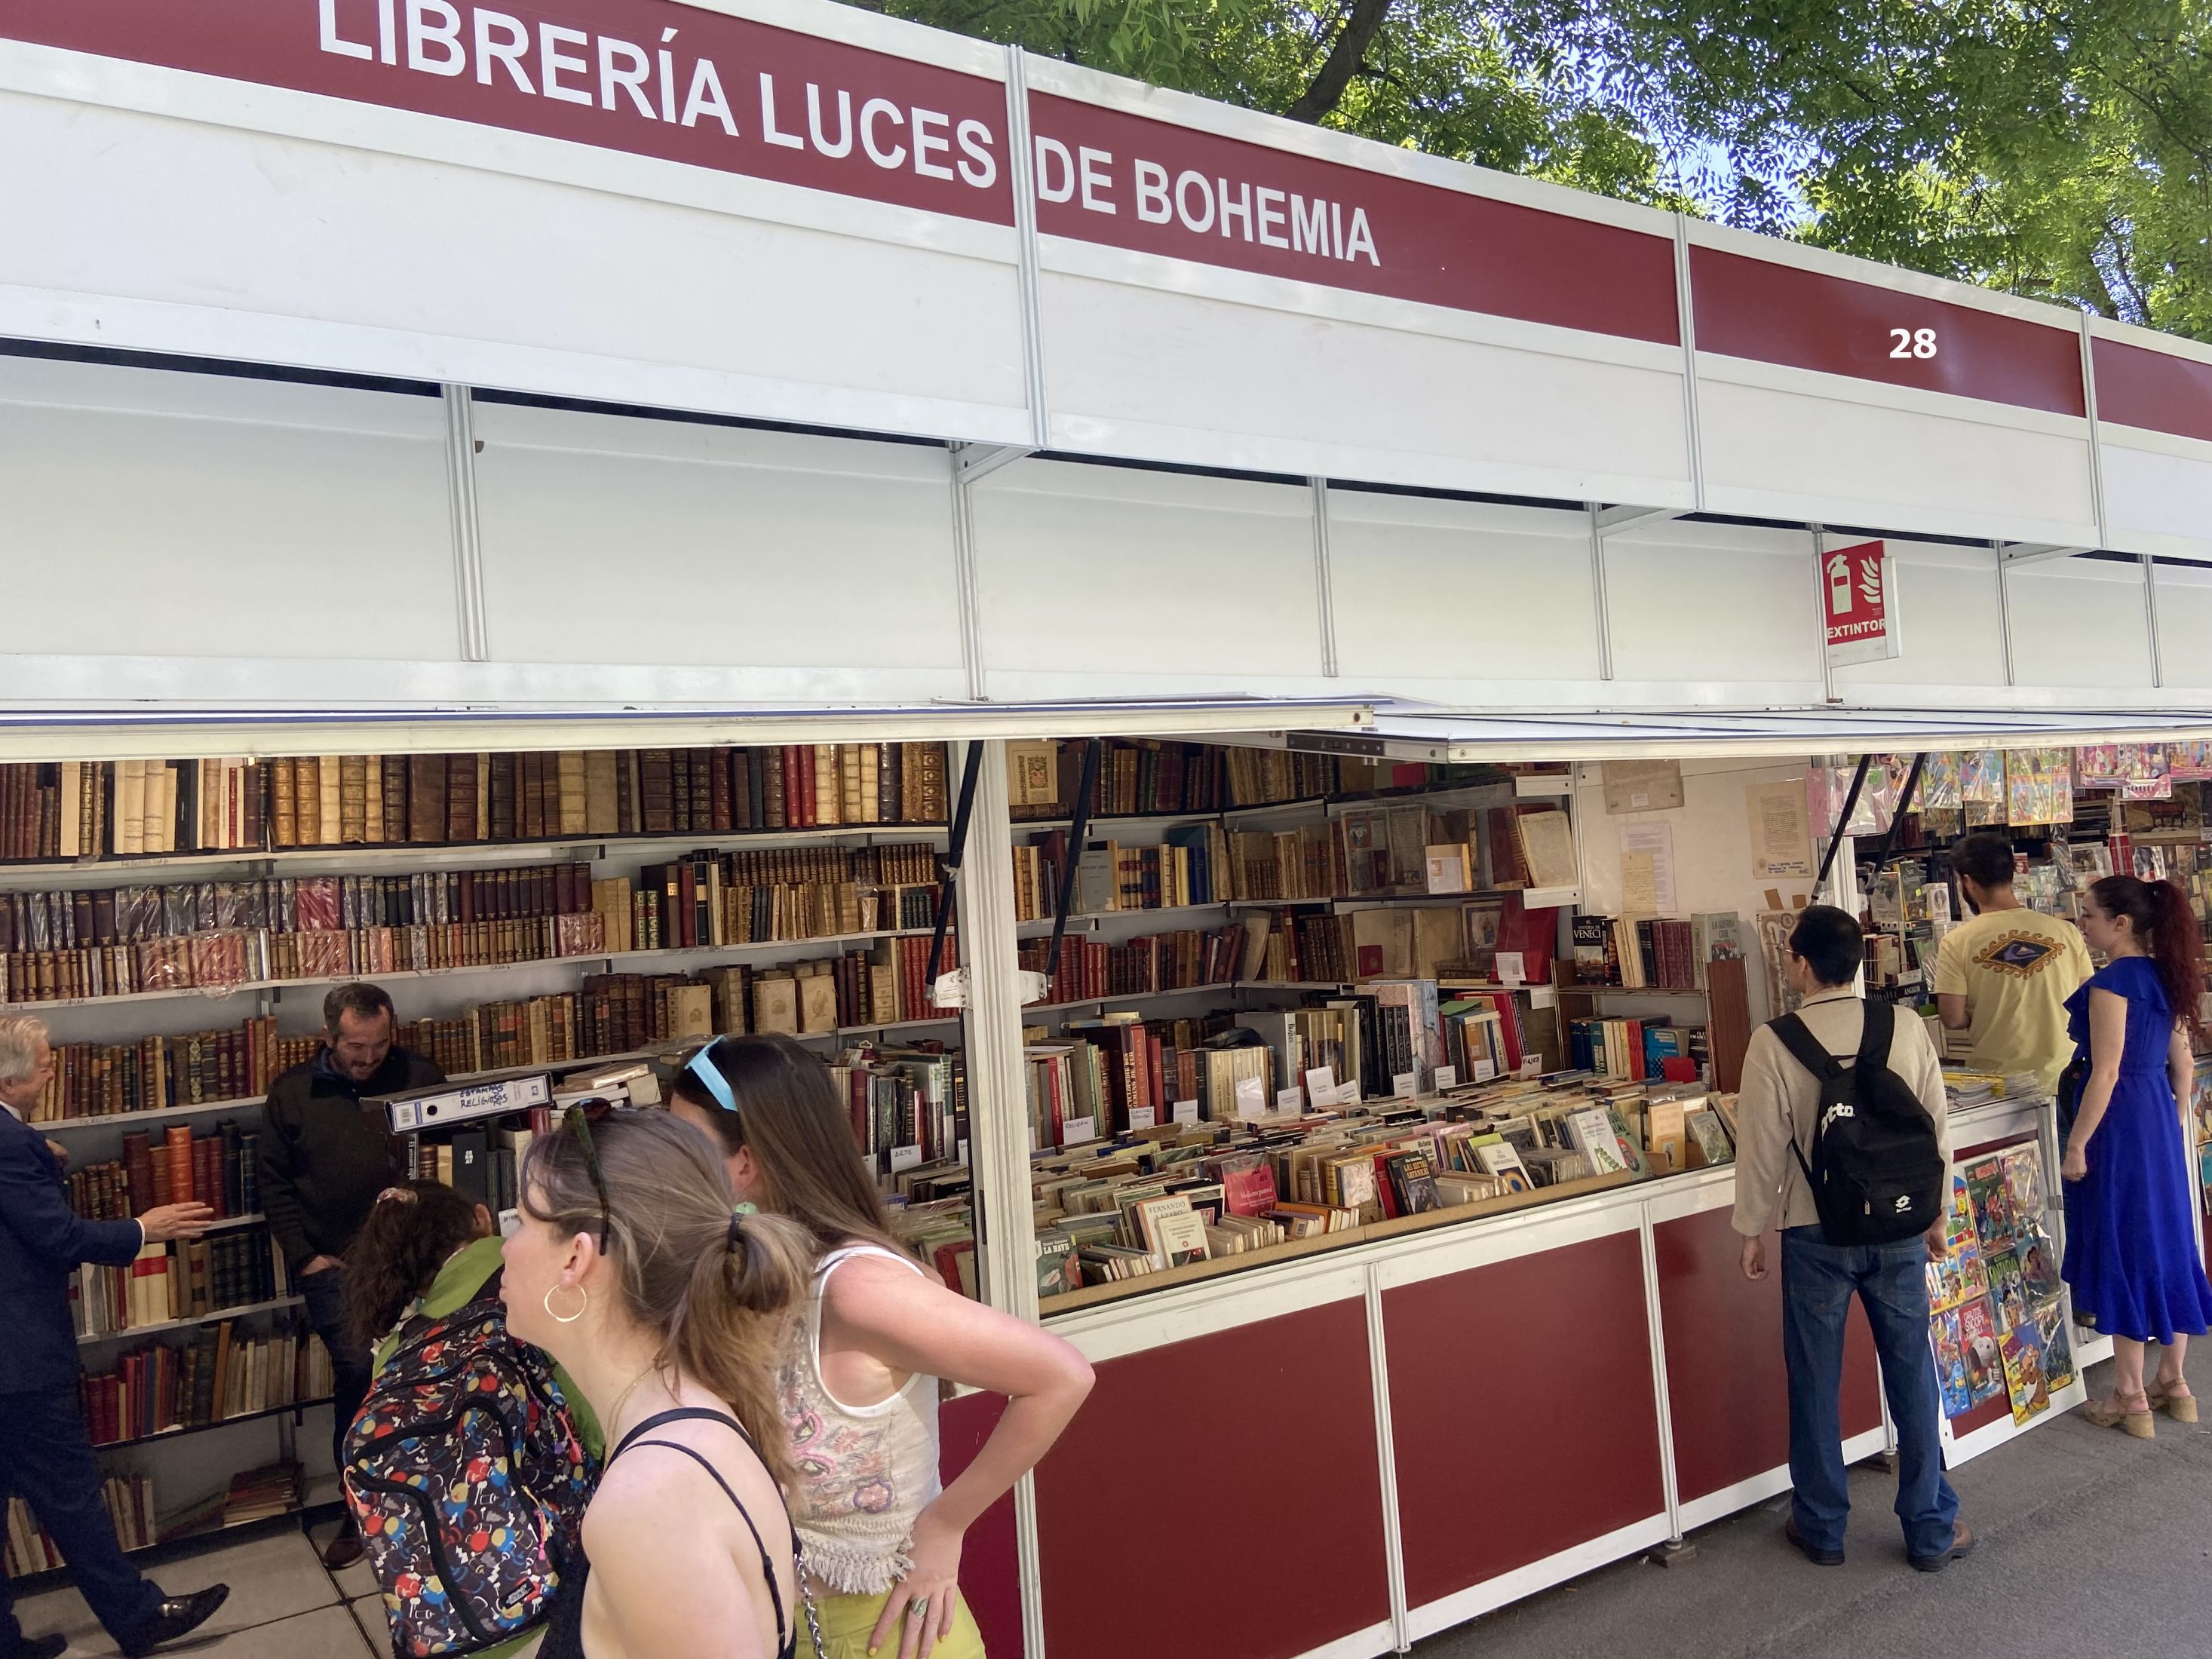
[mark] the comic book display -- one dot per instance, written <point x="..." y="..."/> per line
<point x="1998" y="1320"/>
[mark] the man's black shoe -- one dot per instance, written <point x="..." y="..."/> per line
<point x="180" y="1615"/>
<point x="40" y="1647"/>
<point x="1962" y="1545"/>
<point x="1818" y="1557"/>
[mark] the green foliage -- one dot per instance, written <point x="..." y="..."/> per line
<point x="2058" y="148"/>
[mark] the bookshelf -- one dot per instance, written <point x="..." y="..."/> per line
<point x="297" y="1410"/>
<point x="131" y="1332"/>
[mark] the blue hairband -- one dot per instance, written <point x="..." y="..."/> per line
<point x="711" y="1079"/>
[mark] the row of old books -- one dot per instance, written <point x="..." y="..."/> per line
<point x="224" y="959"/>
<point x="187" y="1279"/>
<point x="219" y="1169"/>
<point x="65" y="919"/>
<point x="53" y="812"/>
<point x="96" y="1079"/>
<point x="909" y="1105"/>
<point x="1658" y="952"/>
<point x="80" y="810"/>
<point x="220" y="1374"/>
<point x="129" y="1499"/>
<point x="1091" y="969"/>
<point x="1189" y="866"/>
<point x="689" y="905"/>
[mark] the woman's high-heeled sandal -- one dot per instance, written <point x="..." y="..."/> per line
<point x="2142" y="1425"/>
<point x="2181" y="1407"/>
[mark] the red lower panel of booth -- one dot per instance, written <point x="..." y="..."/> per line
<point x="1727" y="1387"/>
<point x="990" y="1570"/>
<point x="1523" y="1413"/>
<point x="1219" y="1496"/>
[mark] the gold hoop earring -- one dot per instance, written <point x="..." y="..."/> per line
<point x="567" y="1319"/>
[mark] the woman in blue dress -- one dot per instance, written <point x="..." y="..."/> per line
<point x="2132" y="1256"/>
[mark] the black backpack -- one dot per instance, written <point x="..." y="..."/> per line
<point x="1877" y="1172"/>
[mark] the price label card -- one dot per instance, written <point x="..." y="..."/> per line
<point x="1320" y="1085"/>
<point x="963" y="1149"/>
<point x="1447" y="1076"/>
<point x="1186" y="1111"/>
<point x="1533" y="1066"/>
<point x="1511" y="969"/>
<point x="1347" y="1094"/>
<point x="1077" y="1130"/>
<point x="1143" y="1117"/>
<point x="1543" y="996"/>
<point x="1402" y="1086"/>
<point x="905" y="1158"/>
<point x="1292" y="1099"/>
<point x="1251" y="1098"/>
<point x="1484" y="1071"/>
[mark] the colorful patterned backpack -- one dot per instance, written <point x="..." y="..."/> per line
<point x="469" y="1481"/>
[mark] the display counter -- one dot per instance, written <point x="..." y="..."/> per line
<point x="1428" y="1427"/>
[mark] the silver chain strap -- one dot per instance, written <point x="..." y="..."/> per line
<point x="806" y="1596"/>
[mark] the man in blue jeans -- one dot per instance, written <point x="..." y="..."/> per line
<point x="1778" y="1104"/>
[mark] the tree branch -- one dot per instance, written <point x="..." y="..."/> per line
<point x="1327" y="89"/>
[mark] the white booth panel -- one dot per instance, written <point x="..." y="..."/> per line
<point x="1779" y="444"/>
<point x="2185" y="624"/>
<point x="2081" y="622"/>
<point x="1429" y="590"/>
<point x="2158" y="492"/>
<point x="154" y="513"/>
<point x="1109" y="575"/>
<point x="1237" y="375"/>
<point x="1713" y="604"/>
<point x="1951" y="627"/>
<point x="138" y="230"/>
<point x="684" y="542"/>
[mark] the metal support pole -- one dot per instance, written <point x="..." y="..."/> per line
<point x="967" y="590"/>
<point x="1021" y="165"/>
<point x="1077" y="825"/>
<point x="461" y="501"/>
<point x="1686" y="321"/>
<point x="997" y="1111"/>
<point x="1676" y="1549"/>
<point x="1386" y="1458"/>
<point x="1599" y="598"/>
<point x="1324" y="580"/>
<point x="2150" y="620"/>
<point x="1820" y="611"/>
<point x="2004" y="607"/>
<point x="1841" y="831"/>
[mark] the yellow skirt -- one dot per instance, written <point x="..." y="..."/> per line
<point x="847" y="1621"/>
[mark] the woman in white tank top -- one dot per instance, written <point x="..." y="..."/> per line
<point x="859" y="1383"/>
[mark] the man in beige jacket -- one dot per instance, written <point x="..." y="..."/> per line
<point x="1778" y="1107"/>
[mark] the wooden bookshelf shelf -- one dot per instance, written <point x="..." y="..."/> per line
<point x="183" y="1430"/>
<point x="586" y="959"/>
<point x="132" y="1333"/>
<point x="494" y="851"/>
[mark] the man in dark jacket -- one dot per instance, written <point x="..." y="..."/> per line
<point x="45" y="1455"/>
<point x="323" y="1161"/>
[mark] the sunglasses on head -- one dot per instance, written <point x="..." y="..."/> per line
<point x="578" y="1121"/>
<point x="702" y="1067"/>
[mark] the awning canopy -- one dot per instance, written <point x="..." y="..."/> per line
<point x="1400" y="732"/>
<point x="172" y="731"/>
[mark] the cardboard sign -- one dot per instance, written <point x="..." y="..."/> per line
<point x="905" y="1158"/>
<point x="1186" y="1111"/>
<point x="1251" y="1098"/>
<point x="1403" y="1086"/>
<point x="1077" y="1130"/>
<point x="1291" y="1099"/>
<point x="1143" y="1117"/>
<point x="1447" y="1076"/>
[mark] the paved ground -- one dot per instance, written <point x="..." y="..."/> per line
<point x="2089" y="1539"/>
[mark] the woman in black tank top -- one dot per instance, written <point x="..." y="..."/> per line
<point x="667" y="1309"/>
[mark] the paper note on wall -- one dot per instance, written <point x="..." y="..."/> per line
<point x="1781" y="838"/>
<point x="1647" y="870"/>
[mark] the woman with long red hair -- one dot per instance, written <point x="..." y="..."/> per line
<point x="2131" y="1248"/>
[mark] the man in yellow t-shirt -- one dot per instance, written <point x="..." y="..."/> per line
<point x="2006" y="975"/>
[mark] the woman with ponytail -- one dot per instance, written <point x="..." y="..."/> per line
<point x="2132" y="1256"/>
<point x="859" y="1379"/>
<point x="634" y="1269"/>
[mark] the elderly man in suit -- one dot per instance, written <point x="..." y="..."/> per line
<point x="45" y="1455"/>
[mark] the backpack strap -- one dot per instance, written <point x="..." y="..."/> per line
<point x="1808" y="1050"/>
<point x="1878" y="1025"/>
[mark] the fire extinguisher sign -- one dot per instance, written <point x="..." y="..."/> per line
<point x="1855" y="589"/>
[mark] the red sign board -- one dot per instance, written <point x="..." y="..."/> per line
<point x="2160" y="391"/>
<point x="1783" y="313"/>
<point x="646" y="76"/>
<point x="1131" y="181"/>
<point x="1855" y="592"/>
